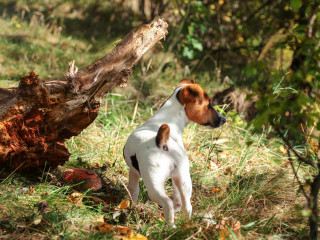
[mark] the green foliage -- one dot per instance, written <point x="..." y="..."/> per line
<point x="294" y="98"/>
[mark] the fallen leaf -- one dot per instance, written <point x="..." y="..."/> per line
<point x="31" y="190"/>
<point x="75" y="197"/>
<point x="104" y="228"/>
<point x="116" y="214"/>
<point x="215" y="190"/>
<point x="283" y="150"/>
<point x="137" y="236"/>
<point x="99" y="220"/>
<point x="227" y="171"/>
<point x="123" y="205"/>
<point x="37" y="220"/>
<point x="123" y="230"/>
<point x="224" y="226"/>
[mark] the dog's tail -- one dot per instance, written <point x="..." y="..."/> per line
<point x="162" y="137"/>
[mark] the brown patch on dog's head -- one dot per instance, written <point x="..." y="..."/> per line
<point x="185" y="81"/>
<point x="198" y="106"/>
<point x="162" y="137"/>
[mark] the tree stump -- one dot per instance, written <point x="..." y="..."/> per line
<point x="38" y="116"/>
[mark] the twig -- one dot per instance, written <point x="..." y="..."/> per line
<point x="297" y="177"/>
<point x="125" y="187"/>
<point x="294" y="151"/>
<point x="200" y="229"/>
<point x="12" y="172"/>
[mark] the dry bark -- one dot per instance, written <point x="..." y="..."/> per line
<point x="38" y="116"/>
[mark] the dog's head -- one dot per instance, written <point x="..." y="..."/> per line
<point x="197" y="105"/>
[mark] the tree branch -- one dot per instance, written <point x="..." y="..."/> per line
<point x="301" y="159"/>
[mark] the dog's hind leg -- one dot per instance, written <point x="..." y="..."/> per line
<point x="133" y="185"/>
<point x="157" y="193"/>
<point x="176" y="197"/>
<point x="184" y="184"/>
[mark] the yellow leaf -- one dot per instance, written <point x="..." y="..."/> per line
<point x="124" y="204"/>
<point x="283" y="150"/>
<point x="137" y="236"/>
<point x="37" y="220"/>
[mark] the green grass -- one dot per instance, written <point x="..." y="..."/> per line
<point x="251" y="186"/>
<point x="238" y="175"/>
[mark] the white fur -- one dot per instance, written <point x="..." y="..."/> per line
<point x="157" y="165"/>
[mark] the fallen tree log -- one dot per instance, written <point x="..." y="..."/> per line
<point x="38" y="116"/>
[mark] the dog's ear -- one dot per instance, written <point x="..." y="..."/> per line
<point x="189" y="94"/>
<point x="162" y="137"/>
<point x="185" y="81"/>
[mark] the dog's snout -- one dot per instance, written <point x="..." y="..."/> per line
<point x="220" y="120"/>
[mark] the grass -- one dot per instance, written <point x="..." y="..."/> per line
<point x="233" y="180"/>
<point x="239" y="177"/>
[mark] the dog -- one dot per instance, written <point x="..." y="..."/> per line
<point x="155" y="151"/>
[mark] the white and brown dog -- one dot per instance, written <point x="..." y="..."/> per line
<point x="155" y="150"/>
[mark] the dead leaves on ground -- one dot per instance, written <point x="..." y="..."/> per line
<point x="224" y="228"/>
<point x="227" y="227"/>
<point x="120" y="232"/>
<point x="123" y="205"/>
<point x="75" y="197"/>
